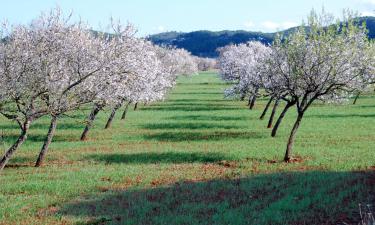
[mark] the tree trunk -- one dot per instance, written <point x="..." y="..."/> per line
<point x="249" y="101"/>
<point x="242" y="98"/>
<point x="266" y="109"/>
<point x="289" y="147"/>
<point x="21" y="139"/>
<point x="125" y="111"/>
<point x="281" y="117"/>
<point x="113" y="113"/>
<point x="47" y="142"/>
<point x="252" y="103"/>
<point x="356" y="98"/>
<point x="94" y="112"/>
<point x="270" y="121"/>
<point x="135" y="106"/>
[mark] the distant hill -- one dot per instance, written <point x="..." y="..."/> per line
<point x="204" y="43"/>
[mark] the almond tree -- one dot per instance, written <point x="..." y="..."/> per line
<point x="173" y="62"/>
<point x="205" y="64"/>
<point x="240" y="64"/>
<point x="132" y="63"/>
<point x="45" y="69"/>
<point x="326" y="63"/>
<point x="21" y="83"/>
<point x="147" y="71"/>
<point x="81" y="59"/>
<point x="275" y="86"/>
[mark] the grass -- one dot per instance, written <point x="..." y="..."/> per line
<point x="194" y="159"/>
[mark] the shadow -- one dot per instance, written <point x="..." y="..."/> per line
<point x="191" y="108"/>
<point x="315" y="197"/>
<point x="192" y="126"/>
<point x="198" y="93"/>
<point x="208" y="118"/>
<point x="17" y="165"/>
<point x="60" y="125"/>
<point x="9" y="126"/>
<point x="189" y="104"/>
<point x="342" y="116"/>
<point x="21" y="160"/>
<point x="204" y="83"/>
<point x="151" y="158"/>
<point x="45" y="126"/>
<point x="202" y="136"/>
<point x="364" y="106"/>
<point x="193" y="101"/>
<point x="10" y="138"/>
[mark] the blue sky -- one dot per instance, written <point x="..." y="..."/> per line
<point x="154" y="16"/>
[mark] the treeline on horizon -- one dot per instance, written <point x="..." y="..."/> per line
<point x="205" y="43"/>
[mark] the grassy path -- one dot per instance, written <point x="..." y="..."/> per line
<point x="194" y="159"/>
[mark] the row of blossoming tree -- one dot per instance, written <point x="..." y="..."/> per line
<point x="54" y="66"/>
<point x="324" y="60"/>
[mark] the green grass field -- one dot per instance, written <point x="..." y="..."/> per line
<point x="194" y="159"/>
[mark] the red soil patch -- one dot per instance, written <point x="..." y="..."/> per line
<point x="164" y="180"/>
<point x="228" y="164"/>
<point x="103" y="189"/>
<point x="51" y="210"/>
<point x="128" y="182"/>
<point x="296" y="159"/>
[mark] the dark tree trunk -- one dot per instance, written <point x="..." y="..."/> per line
<point x="47" y="142"/>
<point x="113" y="113"/>
<point x="270" y="121"/>
<point x="356" y="98"/>
<point x="289" y="147"/>
<point x="252" y="103"/>
<point x="266" y="109"/>
<point x="136" y="106"/>
<point x="249" y="101"/>
<point x="21" y="139"/>
<point x="281" y="117"/>
<point x="125" y="111"/>
<point x="242" y="98"/>
<point x="94" y="112"/>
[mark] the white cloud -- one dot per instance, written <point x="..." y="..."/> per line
<point x="270" y="25"/>
<point x="160" y="28"/>
<point x="368" y="13"/>
<point x="372" y="2"/>
<point x="288" y="24"/>
<point x="249" y="24"/>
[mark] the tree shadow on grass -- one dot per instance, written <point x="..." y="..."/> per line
<point x="10" y="138"/>
<point x="314" y="197"/>
<point x="164" y="157"/>
<point x="192" y="126"/>
<point x="191" y="108"/>
<point x="332" y="116"/>
<point x="45" y="126"/>
<point x="198" y="92"/>
<point x="195" y="104"/>
<point x="203" y="83"/>
<point x="203" y="136"/>
<point x="192" y="100"/>
<point x="207" y="117"/>
<point x="365" y="106"/>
